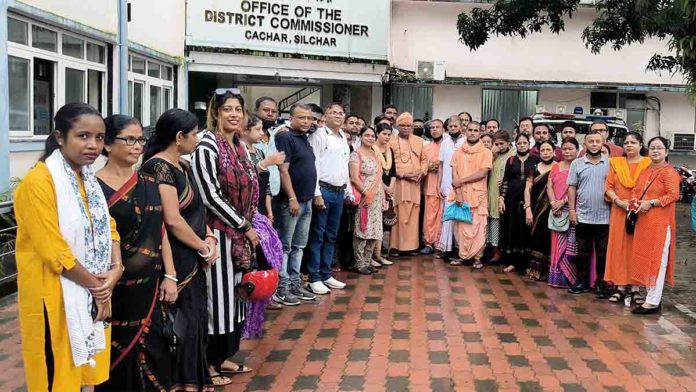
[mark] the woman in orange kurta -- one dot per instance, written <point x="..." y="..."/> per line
<point x="44" y="254"/>
<point x="653" y="241"/>
<point x="623" y="174"/>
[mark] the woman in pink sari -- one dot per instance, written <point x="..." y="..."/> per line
<point x="563" y="246"/>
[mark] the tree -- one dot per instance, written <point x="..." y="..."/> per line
<point x="618" y="23"/>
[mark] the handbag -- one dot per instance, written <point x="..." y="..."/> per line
<point x="632" y="215"/>
<point x="174" y="325"/>
<point x="389" y="215"/>
<point x="559" y="223"/>
<point x="458" y="212"/>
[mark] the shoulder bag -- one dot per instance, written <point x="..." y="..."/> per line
<point x="632" y="215"/>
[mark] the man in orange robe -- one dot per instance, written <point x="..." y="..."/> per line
<point x="432" y="218"/>
<point x="411" y="164"/>
<point x="470" y="166"/>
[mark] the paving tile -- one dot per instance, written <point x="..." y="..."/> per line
<point x="397" y="384"/>
<point x="442" y="385"/>
<point x="352" y="383"/>
<point x="573" y="388"/>
<point x="400" y="334"/>
<point x="530" y="386"/>
<point x="557" y="363"/>
<point x="486" y="386"/>
<point x="543" y="341"/>
<point x="260" y="383"/>
<point x="507" y="337"/>
<point x="674" y="370"/>
<point x="596" y="365"/>
<point x="278" y="356"/>
<point x="358" y="355"/>
<point x="517" y="360"/>
<point x="292" y="334"/>
<point x="306" y="382"/>
<point x="478" y="359"/>
<point x="439" y="357"/>
<point x="365" y="333"/>
<point x="328" y="333"/>
<point x="399" y="356"/>
<point x="318" y="354"/>
<point x="471" y="337"/>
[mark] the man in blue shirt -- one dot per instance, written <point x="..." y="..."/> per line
<point x="298" y="180"/>
<point x="589" y="212"/>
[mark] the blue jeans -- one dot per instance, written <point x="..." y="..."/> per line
<point x="293" y="231"/>
<point x="325" y="225"/>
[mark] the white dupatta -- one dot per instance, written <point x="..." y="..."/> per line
<point x="88" y="233"/>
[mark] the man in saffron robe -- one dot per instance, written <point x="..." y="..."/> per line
<point x="450" y="142"/>
<point x="470" y="166"/>
<point x="432" y="219"/>
<point x="411" y="164"/>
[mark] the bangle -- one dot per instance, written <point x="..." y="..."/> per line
<point x="171" y="277"/>
<point x="123" y="267"/>
<point x="262" y="167"/>
<point x="212" y="236"/>
<point x="210" y="252"/>
<point x="292" y="198"/>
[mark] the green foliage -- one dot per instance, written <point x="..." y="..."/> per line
<point x="618" y="23"/>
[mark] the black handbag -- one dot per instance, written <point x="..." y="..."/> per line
<point x="632" y="216"/>
<point x="173" y="327"/>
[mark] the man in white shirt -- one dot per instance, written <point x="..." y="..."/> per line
<point x="331" y="153"/>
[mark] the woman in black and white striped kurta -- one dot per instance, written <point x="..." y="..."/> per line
<point x="228" y="184"/>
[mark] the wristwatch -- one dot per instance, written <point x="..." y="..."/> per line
<point x="652" y="203"/>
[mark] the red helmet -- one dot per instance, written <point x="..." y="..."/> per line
<point x="258" y="285"/>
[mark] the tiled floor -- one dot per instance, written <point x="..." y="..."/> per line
<point x="423" y="325"/>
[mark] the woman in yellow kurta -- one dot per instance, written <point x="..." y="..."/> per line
<point x="43" y="255"/>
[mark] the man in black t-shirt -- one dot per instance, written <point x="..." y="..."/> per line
<point x="298" y="180"/>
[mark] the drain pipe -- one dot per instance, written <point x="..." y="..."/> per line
<point x="4" y="102"/>
<point x="123" y="56"/>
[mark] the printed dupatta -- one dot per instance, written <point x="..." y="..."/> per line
<point x="240" y="188"/>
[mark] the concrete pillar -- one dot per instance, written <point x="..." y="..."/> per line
<point x="4" y="102"/>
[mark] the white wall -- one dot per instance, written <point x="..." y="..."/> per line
<point x="99" y="14"/>
<point x="158" y="25"/>
<point x="677" y="114"/>
<point x="428" y="31"/>
<point x="449" y="100"/>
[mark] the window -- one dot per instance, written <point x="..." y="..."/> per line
<point x="74" y="85"/>
<point x="508" y="106"/>
<point x="17" y="31"/>
<point x="167" y="73"/>
<point x="155" y="104"/>
<point x="629" y="107"/>
<point x="45" y="39"/>
<point x="153" y="69"/>
<point x="138" y="65"/>
<point x="19" y="93"/>
<point x="44" y="84"/>
<point x="95" y="53"/>
<point x="48" y="68"/>
<point x="416" y="100"/>
<point x="94" y="88"/>
<point x="150" y="89"/>
<point x="73" y="47"/>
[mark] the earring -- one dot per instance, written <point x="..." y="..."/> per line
<point x="177" y="143"/>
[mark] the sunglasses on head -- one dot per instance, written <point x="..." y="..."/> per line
<point x="223" y="91"/>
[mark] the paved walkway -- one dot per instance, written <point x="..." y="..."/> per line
<point x="423" y="325"/>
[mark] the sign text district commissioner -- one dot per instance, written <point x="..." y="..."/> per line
<point x="342" y="28"/>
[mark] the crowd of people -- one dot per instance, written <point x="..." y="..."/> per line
<point x="130" y="275"/>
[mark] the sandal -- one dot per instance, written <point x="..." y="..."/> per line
<point x="477" y="264"/>
<point x="218" y="379"/>
<point x="456" y="262"/>
<point x="239" y="370"/>
<point x="509" y="268"/>
<point x="637" y="298"/>
<point x="618" y="296"/>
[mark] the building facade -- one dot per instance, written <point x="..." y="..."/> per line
<point x="363" y="53"/>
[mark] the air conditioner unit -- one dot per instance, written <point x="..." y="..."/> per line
<point x="683" y="141"/>
<point x="618" y="113"/>
<point x="431" y="70"/>
<point x="540" y="108"/>
<point x="560" y="109"/>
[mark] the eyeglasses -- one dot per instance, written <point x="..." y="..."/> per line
<point x="131" y="140"/>
<point x="232" y="90"/>
<point x="336" y="114"/>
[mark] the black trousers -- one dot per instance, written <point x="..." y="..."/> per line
<point x="591" y="237"/>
